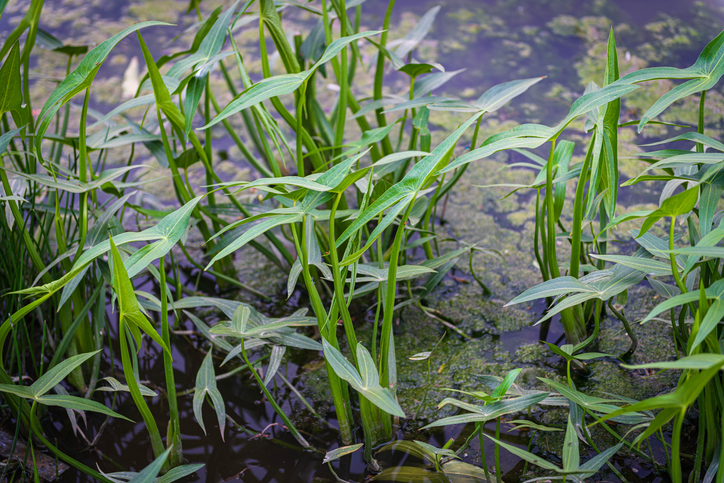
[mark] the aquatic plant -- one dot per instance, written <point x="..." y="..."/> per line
<point x="346" y="216"/>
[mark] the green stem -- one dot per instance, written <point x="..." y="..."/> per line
<point x="174" y="425"/>
<point x="389" y="306"/>
<point x="128" y="362"/>
<point x="379" y="77"/>
<point x="498" y="471"/>
<point x="280" y="412"/>
<point x="700" y="130"/>
<point x="675" y="472"/>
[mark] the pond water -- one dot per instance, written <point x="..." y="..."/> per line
<point x="494" y="41"/>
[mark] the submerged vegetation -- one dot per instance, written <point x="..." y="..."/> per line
<point x="348" y="201"/>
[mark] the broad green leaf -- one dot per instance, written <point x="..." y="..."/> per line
<point x="254" y="232"/>
<point x="150" y="472"/>
<point x="74" y="185"/>
<point x="18" y="390"/>
<point x="168" y="231"/>
<point x="80" y="79"/>
<point x="502" y="388"/>
<point x="489" y="411"/>
<point x="529" y="457"/>
<point x="694" y="137"/>
<point x="210" y="45"/>
<point x="11" y="97"/>
<point x="597" y="404"/>
<point x="48" y="380"/>
<point x="676" y="205"/>
<point x="78" y="404"/>
<point x="264" y="89"/>
<point x="705" y="74"/>
<point x="571" y="455"/>
<point x="194" y="90"/>
<point x="170" y="226"/>
<point x="206" y="385"/>
<point x="551" y="288"/>
<point x="415" y="36"/>
<point x="694" y="362"/>
<point x="497" y="96"/>
<point x="406" y="189"/>
<point x="336" y="46"/>
<point x="430" y="82"/>
<point x="651" y="266"/>
<point x="282" y="84"/>
<point x="366" y="382"/>
<point x="277" y="354"/>
<point x="337" y="453"/>
<point x="128" y="310"/>
<point x="595" y="463"/>
<point x="116" y="386"/>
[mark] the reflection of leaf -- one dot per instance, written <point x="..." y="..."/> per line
<point x="410" y="474"/>
<point x="459" y="471"/>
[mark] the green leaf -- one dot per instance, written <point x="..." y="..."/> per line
<point x="366" y="382"/>
<point x="206" y="384"/>
<point x="676" y="205"/>
<point x="150" y="472"/>
<point x="264" y="89"/>
<point x="128" y="310"/>
<point x="337" y="453"/>
<point x="489" y="411"/>
<point x="529" y="457"/>
<point x="175" y="474"/>
<point x="595" y="463"/>
<point x="282" y="84"/>
<point x="552" y="288"/>
<point x="336" y="47"/>
<point x="415" y="36"/>
<point x="406" y="190"/>
<point x="116" y="386"/>
<point x="80" y="79"/>
<point x="694" y="137"/>
<point x="499" y="95"/>
<point x="652" y="267"/>
<point x="48" y="380"/>
<point x="78" y="404"/>
<point x="705" y="74"/>
<point x="695" y="362"/>
<point x="210" y="46"/>
<point x="17" y="390"/>
<point x="76" y="186"/>
<point x="194" y="90"/>
<point x="433" y="81"/>
<point x="571" y="455"/>
<point x="11" y="97"/>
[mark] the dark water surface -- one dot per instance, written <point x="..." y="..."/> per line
<point x="494" y="41"/>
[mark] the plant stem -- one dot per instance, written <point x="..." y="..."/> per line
<point x="174" y="425"/>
